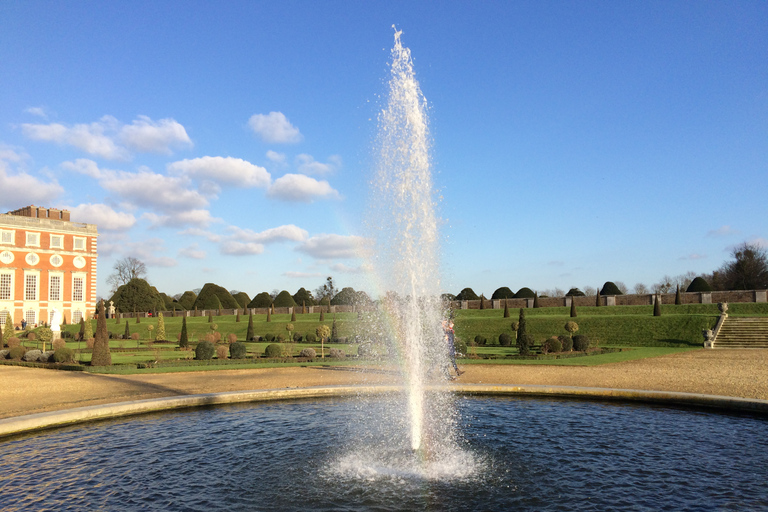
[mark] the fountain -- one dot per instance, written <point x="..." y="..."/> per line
<point x="424" y="448"/>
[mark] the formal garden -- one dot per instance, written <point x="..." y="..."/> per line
<point x="558" y="335"/>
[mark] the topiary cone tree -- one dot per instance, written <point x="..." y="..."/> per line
<point x="573" y="307"/>
<point x="184" y="337"/>
<point x="249" y="333"/>
<point x="678" y="299"/>
<point x="101" y="355"/>
<point x="597" y="297"/>
<point x="160" y="332"/>
<point x="293" y="315"/>
<point x="506" y="309"/>
<point x="127" y="334"/>
<point x="88" y="330"/>
<point x="536" y="300"/>
<point x="657" y="305"/>
<point x="322" y="314"/>
<point x="81" y="334"/>
<point x="269" y="316"/>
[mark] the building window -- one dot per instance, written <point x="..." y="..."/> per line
<point x="76" y="316"/>
<point x="57" y="242"/>
<point x="6" y="286"/>
<point x="32" y="259"/>
<point x="77" y="289"/>
<point x="4" y="316"/>
<point x="6" y="257"/>
<point x="30" y="316"/>
<point x="55" y="288"/>
<point x="7" y="237"/>
<point x="56" y="260"/>
<point x="79" y="243"/>
<point x="33" y="239"/>
<point x="30" y="287"/>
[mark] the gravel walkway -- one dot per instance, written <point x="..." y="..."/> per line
<point x="737" y="373"/>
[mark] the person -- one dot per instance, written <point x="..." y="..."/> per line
<point x="450" y="339"/>
<point x="23" y="324"/>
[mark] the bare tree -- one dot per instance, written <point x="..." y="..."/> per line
<point x="274" y="293"/>
<point x="663" y="286"/>
<point x="589" y="291"/>
<point x="641" y="289"/>
<point x="124" y="270"/>
<point x="326" y="291"/>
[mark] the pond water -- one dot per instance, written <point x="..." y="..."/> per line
<point x="514" y="454"/>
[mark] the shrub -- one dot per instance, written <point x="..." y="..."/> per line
<point x="231" y="338"/>
<point x="31" y="336"/>
<point x="204" y="350"/>
<point x="309" y="353"/>
<point x="221" y="352"/>
<point x="525" y="293"/>
<point x="209" y="338"/>
<point x="566" y="342"/>
<point x="32" y="355"/>
<point x="467" y="294"/>
<point x="553" y="344"/>
<point x="13" y="341"/>
<point x="216" y="336"/>
<point x="269" y="337"/>
<point x="160" y="332"/>
<point x="610" y="288"/>
<point x="64" y="355"/>
<point x="480" y="340"/>
<point x="17" y="352"/>
<point x="59" y="343"/>
<point x="460" y="346"/>
<point x="297" y="337"/>
<point x="524" y="343"/>
<point x="135" y="336"/>
<point x="237" y="350"/>
<point x="502" y="293"/>
<point x="4" y="354"/>
<point x="89" y="343"/>
<point x="699" y="284"/>
<point x="183" y="335"/>
<point x="273" y="351"/>
<point x="505" y="340"/>
<point x="571" y="327"/>
<point x="336" y="353"/>
<point x="249" y="335"/>
<point x="580" y="343"/>
<point x="574" y="292"/>
<point x="280" y="338"/>
<point x="311" y="337"/>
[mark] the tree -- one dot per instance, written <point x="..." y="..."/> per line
<point x="187" y="300"/>
<point x="242" y="298"/>
<point x="657" y="305"/>
<point x="127" y="333"/>
<point x="213" y="296"/>
<point x="346" y="297"/>
<point x="137" y="295"/>
<point x="284" y="300"/>
<point x="640" y="289"/>
<point x="506" y="310"/>
<point x="124" y="270"/>
<point x="323" y="332"/>
<point x="525" y="293"/>
<point x="88" y="331"/>
<point x="326" y="292"/>
<point x="748" y="270"/>
<point x="610" y="288"/>
<point x="575" y="292"/>
<point x="101" y="355"/>
<point x="678" y="299"/>
<point x="573" y="307"/>
<point x="249" y="333"/>
<point x="699" y="284"/>
<point x="467" y="294"/>
<point x="304" y="297"/>
<point x="160" y="333"/>
<point x="261" y="300"/>
<point x="503" y="293"/>
<point x="524" y="341"/>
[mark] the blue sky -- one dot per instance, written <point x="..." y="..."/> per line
<point x="231" y="142"/>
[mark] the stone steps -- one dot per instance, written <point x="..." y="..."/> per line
<point x="743" y="333"/>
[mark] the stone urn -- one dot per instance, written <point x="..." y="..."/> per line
<point x="723" y="307"/>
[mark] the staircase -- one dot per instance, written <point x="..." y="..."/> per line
<point x="743" y="333"/>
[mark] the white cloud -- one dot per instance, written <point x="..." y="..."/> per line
<point x="306" y="164"/>
<point x="300" y="188"/>
<point x="228" y="170"/>
<point x="37" y="111"/>
<point x="108" y="138"/>
<point x="301" y="275"/>
<point x="274" y="156"/>
<point x="330" y="246"/>
<point x="147" y="136"/>
<point x="84" y="166"/>
<point x="274" y="127"/>
<point x="192" y="251"/>
<point x="22" y="188"/>
<point x="288" y="232"/>
<point x="155" y="191"/>
<point x="235" y="248"/>
<point x="198" y="217"/>
<point x="722" y="231"/>
<point x="103" y="216"/>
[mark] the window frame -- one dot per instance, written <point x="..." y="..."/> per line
<point x="59" y="288"/>
<point x="12" y="236"/>
<point x="60" y="238"/>
<point x="10" y="290"/>
<point x="27" y="276"/>
<point x="76" y="239"/>
<point x="35" y="234"/>
<point x="75" y="277"/>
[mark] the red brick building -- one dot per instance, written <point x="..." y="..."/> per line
<point x="46" y="262"/>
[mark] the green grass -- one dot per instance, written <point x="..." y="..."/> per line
<point x="631" y="354"/>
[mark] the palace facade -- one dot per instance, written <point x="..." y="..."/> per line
<point x="47" y="262"/>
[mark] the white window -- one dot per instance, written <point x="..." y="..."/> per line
<point x="30" y="287"/>
<point x="77" y="289"/>
<point x="3" y="316"/>
<point x="54" y="288"/>
<point x="76" y="316"/>
<point x="7" y="237"/>
<point x="33" y="239"/>
<point x="30" y="316"/>
<point x="6" y="286"/>
<point x="56" y="260"/>
<point x="57" y="241"/>
<point x="79" y="243"/>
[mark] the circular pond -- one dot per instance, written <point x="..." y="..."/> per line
<point x="514" y="454"/>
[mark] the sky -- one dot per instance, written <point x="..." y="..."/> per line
<point x="573" y="143"/>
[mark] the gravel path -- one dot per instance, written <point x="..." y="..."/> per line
<point x="737" y="373"/>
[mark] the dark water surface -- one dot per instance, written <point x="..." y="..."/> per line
<point x="520" y="454"/>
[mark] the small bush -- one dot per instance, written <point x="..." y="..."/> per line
<point x="204" y="350"/>
<point x="553" y="344"/>
<point x="31" y="336"/>
<point x="64" y="355"/>
<point x="17" y="352"/>
<point x="309" y="353"/>
<point x="59" y="343"/>
<point x="280" y="338"/>
<point x="505" y="340"/>
<point x="237" y="350"/>
<point x="699" y="284"/>
<point x="566" y="342"/>
<point x="336" y="353"/>
<point x="311" y="337"/>
<point x="580" y="343"/>
<point x="297" y="337"/>
<point x="524" y="343"/>
<point x="13" y="341"/>
<point x="221" y="352"/>
<point x="32" y="355"/>
<point x="274" y="350"/>
<point x="231" y="338"/>
<point x="134" y="336"/>
<point x="269" y="337"/>
<point x="480" y="340"/>
<point x="210" y="338"/>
